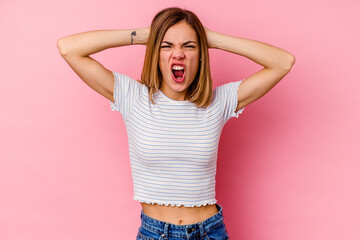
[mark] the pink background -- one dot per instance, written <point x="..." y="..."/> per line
<point x="288" y="167"/>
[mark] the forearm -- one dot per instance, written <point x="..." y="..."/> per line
<point x="259" y="52"/>
<point x="87" y="43"/>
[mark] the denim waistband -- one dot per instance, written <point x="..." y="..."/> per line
<point x="165" y="229"/>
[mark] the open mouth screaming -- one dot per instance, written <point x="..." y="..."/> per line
<point x="178" y="73"/>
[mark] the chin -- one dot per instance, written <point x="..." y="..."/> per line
<point x="179" y="89"/>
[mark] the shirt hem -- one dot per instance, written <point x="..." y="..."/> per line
<point x="236" y="113"/>
<point x="175" y="204"/>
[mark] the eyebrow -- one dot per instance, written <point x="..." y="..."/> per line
<point x="185" y="43"/>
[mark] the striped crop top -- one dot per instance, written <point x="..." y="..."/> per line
<point x="173" y="144"/>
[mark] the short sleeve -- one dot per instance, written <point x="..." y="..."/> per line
<point x="227" y="97"/>
<point x="126" y="92"/>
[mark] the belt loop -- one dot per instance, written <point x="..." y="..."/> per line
<point x="202" y="231"/>
<point x="166" y="231"/>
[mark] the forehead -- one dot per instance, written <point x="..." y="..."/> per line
<point x="180" y="32"/>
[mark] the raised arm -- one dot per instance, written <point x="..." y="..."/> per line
<point x="75" y="49"/>
<point x="277" y="63"/>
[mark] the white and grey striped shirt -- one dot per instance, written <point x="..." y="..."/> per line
<point x="173" y="144"/>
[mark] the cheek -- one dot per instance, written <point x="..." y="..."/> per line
<point x="162" y="65"/>
<point x="163" y="62"/>
<point x="194" y="65"/>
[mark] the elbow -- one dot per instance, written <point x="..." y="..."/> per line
<point x="290" y="62"/>
<point x="287" y="64"/>
<point x="61" y="47"/>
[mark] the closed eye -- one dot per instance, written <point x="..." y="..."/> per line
<point x="186" y="46"/>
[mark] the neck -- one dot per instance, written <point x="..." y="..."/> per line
<point x="176" y="96"/>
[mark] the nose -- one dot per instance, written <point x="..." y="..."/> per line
<point x="178" y="53"/>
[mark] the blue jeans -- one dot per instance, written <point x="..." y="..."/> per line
<point x="212" y="228"/>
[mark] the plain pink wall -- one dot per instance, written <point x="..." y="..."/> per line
<point x="288" y="167"/>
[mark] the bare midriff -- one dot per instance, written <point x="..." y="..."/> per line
<point x="179" y="215"/>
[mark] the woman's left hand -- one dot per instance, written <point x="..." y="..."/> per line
<point x="209" y="37"/>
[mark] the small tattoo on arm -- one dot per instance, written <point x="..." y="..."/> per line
<point x="133" y="33"/>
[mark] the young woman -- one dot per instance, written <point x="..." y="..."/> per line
<point x="173" y="117"/>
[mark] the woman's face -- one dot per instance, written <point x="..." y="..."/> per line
<point x="179" y="60"/>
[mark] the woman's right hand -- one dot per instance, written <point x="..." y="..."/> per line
<point x="142" y="35"/>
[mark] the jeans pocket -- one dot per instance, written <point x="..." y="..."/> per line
<point x="141" y="236"/>
<point x="147" y="234"/>
<point x="217" y="232"/>
<point x="206" y="237"/>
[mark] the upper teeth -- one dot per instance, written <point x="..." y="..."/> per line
<point x="177" y="67"/>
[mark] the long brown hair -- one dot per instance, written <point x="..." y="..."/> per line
<point x="200" y="90"/>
